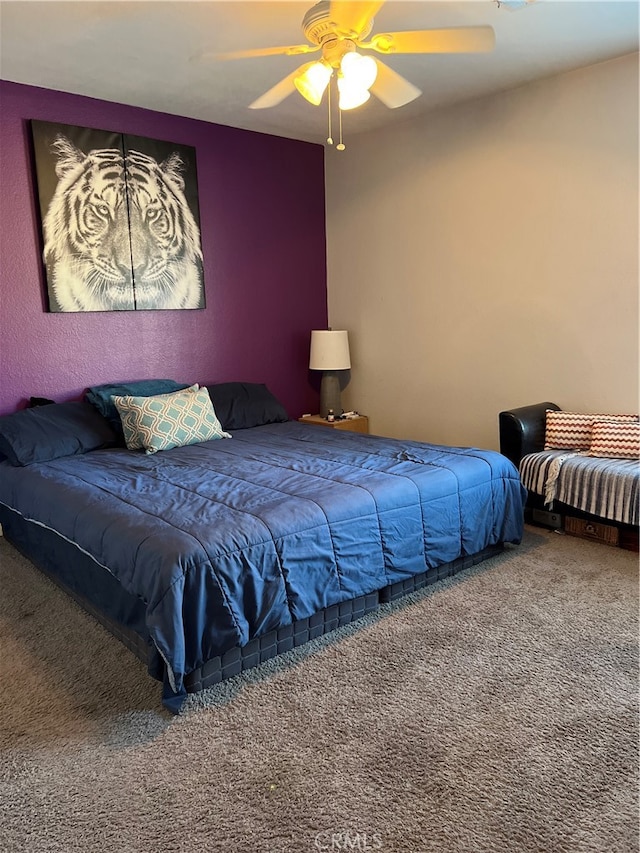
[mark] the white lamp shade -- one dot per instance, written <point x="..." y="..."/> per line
<point x="329" y="350"/>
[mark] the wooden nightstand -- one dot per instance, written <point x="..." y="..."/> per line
<point x="359" y="424"/>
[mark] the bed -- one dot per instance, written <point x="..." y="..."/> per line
<point x="208" y="558"/>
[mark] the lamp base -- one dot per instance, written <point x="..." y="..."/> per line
<point x="330" y="393"/>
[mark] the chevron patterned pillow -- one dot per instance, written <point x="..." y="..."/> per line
<point x="572" y="430"/>
<point x="617" y="440"/>
<point x="169" y="420"/>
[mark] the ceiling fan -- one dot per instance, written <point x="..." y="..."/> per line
<point x="339" y="29"/>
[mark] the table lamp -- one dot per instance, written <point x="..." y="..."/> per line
<point x="330" y="354"/>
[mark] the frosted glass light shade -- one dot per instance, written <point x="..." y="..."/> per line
<point x="351" y="96"/>
<point x="313" y="81"/>
<point x="329" y="350"/>
<point x="357" y="74"/>
<point x="358" y="70"/>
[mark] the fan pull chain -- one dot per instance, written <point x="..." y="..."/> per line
<point x="329" y="138"/>
<point x="340" y="146"/>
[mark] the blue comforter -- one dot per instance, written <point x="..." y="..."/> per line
<point x="229" y="539"/>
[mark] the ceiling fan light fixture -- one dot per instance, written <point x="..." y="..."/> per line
<point x="357" y="74"/>
<point x="358" y="70"/>
<point x="339" y="29"/>
<point x="351" y="96"/>
<point x="312" y="82"/>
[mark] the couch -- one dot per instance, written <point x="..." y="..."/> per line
<point x="522" y="440"/>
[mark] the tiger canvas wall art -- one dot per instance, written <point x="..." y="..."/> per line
<point x="120" y="221"/>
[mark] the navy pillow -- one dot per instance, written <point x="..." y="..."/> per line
<point x="49" y="432"/>
<point x="100" y="395"/>
<point x="241" y="405"/>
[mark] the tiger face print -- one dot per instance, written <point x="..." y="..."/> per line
<point x="119" y="234"/>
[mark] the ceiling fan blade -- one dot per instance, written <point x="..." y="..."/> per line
<point x="391" y="88"/>
<point x="278" y="92"/>
<point x="292" y="50"/>
<point x="451" y="40"/>
<point x="352" y="17"/>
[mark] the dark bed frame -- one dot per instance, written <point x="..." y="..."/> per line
<point x="86" y="582"/>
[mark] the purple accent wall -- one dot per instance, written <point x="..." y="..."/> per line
<point x="262" y="212"/>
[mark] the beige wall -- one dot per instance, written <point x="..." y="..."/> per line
<point x="486" y="256"/>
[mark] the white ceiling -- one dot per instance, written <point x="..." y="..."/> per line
<point x="142" y="53"/>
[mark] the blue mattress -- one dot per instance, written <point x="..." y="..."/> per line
<point x="226" y="541"/>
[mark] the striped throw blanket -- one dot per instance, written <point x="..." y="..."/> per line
<point x="604" y="487"/>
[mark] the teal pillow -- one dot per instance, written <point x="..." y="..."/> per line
<point x="100" y="395"/>
<point x="168" y="420"/>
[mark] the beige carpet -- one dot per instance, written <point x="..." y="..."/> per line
<point x="496" y="712"/>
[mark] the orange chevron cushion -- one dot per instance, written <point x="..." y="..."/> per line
<point x="572" y="430"/>
<point x="619" y="440"/>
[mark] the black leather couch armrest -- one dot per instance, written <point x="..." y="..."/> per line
<point x="522" y="430"/>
